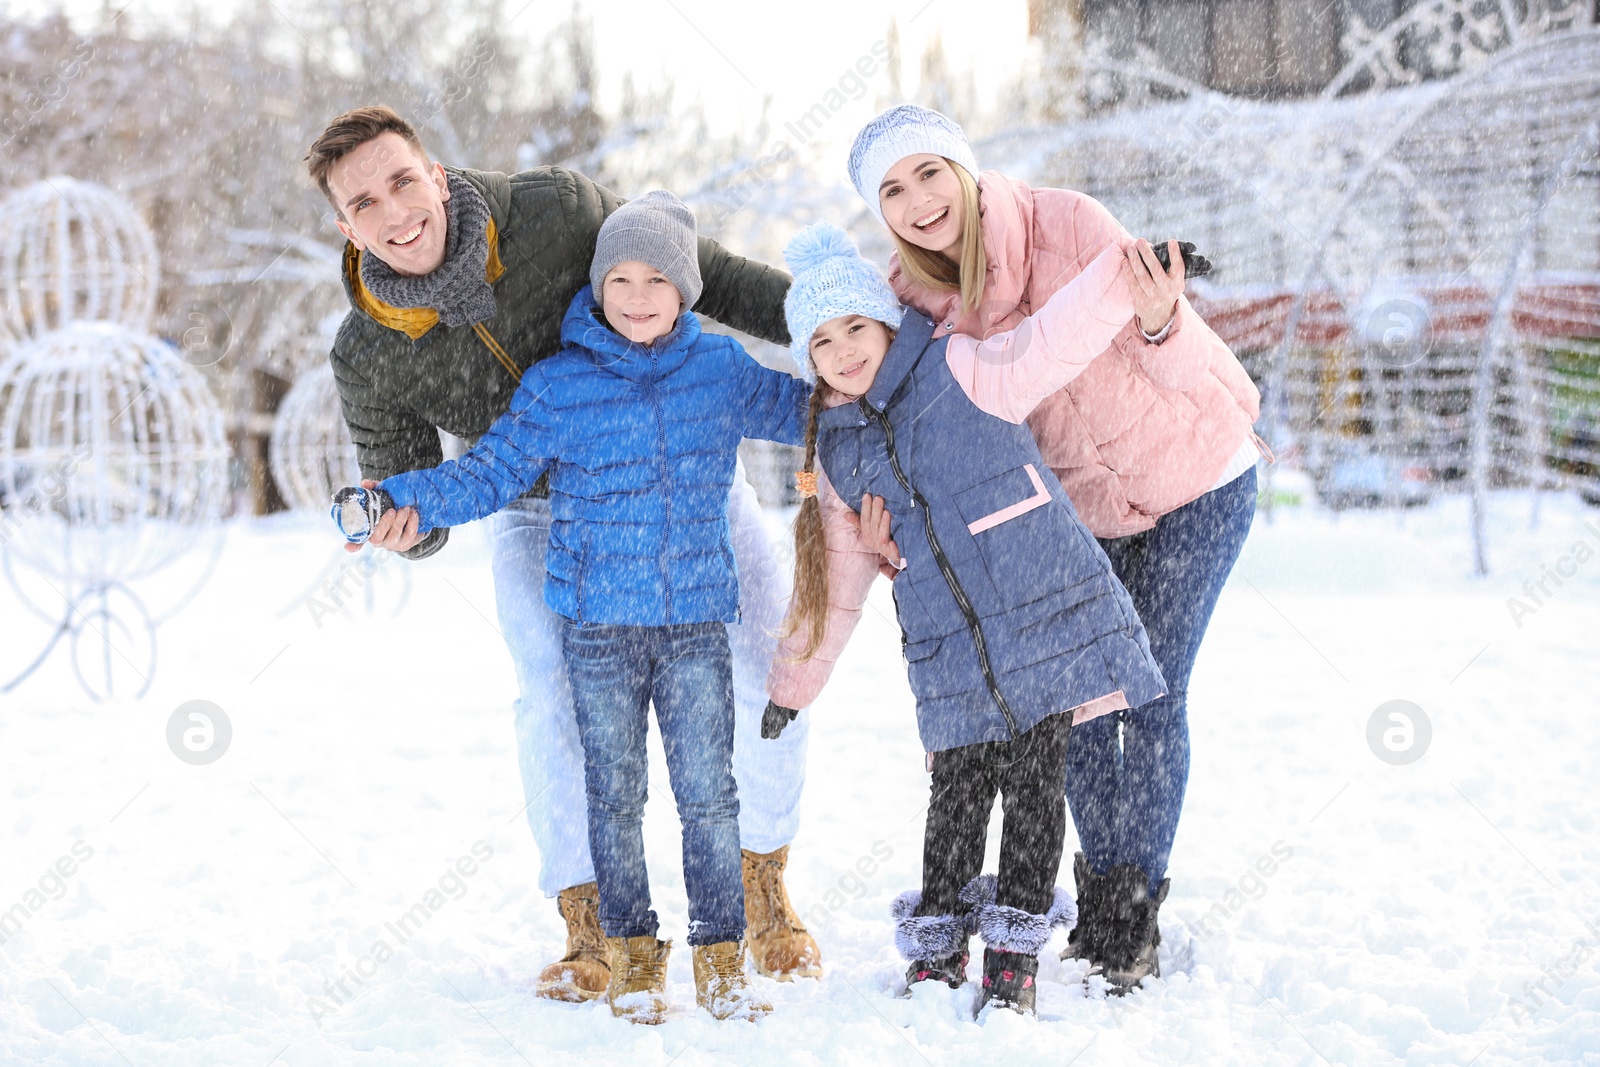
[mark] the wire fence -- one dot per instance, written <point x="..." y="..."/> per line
<point x="1412" y="275"/>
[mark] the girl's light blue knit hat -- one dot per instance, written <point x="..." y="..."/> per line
<point x="904" y="131"/>
<point x="831" y="279"/>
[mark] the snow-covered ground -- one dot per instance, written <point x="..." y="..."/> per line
<point x="1441" y="912"/>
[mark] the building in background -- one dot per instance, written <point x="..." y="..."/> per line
<point x="1277" y="49"/>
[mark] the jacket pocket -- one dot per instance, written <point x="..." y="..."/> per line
<point x="916" y="622"/>
<point x="930" y="674"/>
<point x="1062" y="624"/>
<point x="1002" y="498"/>
<point x="1030" y="542"/>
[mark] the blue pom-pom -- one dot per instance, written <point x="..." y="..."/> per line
<point x="815" y="245"/>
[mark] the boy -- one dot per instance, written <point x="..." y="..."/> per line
<point x="637" y="420"/>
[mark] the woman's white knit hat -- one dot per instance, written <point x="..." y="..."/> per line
<point x="831" y="280"/>
<point x="902" y="131"/>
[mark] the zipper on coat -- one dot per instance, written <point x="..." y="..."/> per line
<point x="967" y="610"/>
<point x="666" y="493"/>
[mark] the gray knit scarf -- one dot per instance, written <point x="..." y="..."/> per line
<point x="457" y="289"/>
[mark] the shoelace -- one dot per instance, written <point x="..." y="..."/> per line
<point x="724" y="965"/>
<point x="646" y="961"/>
<point x="590" y="938"/>
<point x="768" y="880"/>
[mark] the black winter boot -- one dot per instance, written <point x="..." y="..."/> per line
<point x="1009" y="981"/>
<point x="951" y="970"/>
<point x="1084" y="942"/>
<point x="1132" y="936"/>
<point x="1013" y="939"/>
<point x="935" y="945"/>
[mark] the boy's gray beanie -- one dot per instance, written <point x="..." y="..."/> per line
<point x="656" y="228"/>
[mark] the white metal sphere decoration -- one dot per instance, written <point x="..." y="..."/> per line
<point x="113" y="456"/>
<point x="73" y="251"/>
<point x="311" y="453"/>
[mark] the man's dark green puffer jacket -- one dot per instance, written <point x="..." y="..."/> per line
<point x="396" y="391"/>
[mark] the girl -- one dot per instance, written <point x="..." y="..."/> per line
<point x="1153" y="443"/>
<point x="1009" y="613"/>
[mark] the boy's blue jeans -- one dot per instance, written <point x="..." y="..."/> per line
<point x="616" y="673"/>
<point x="770" y="774"/>
<point x="1126" y="792"/>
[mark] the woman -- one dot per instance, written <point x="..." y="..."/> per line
<point x="1153" y="444"/>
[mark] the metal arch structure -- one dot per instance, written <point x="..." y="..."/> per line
<point x="311" y="455"/>
<point x="1160" y="186"/>
<point x="1457" y="35"/>
<point x="1490" y="151"/>
<point x="310" y="451"/>
<point x="1498" y="338"/>
<point x="113" y="465"/>
<point x="73" y="251"/>
<point x="1470" y="204"/>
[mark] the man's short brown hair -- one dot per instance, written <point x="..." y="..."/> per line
<point x="349" y="132"/>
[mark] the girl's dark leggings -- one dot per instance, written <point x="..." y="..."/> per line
<point x="1027" y="775"/>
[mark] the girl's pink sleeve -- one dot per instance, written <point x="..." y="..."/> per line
<point x="1008" y="374"/>
<point x="851" y="568"/>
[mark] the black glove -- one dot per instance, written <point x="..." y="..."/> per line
<point x="1194" y="264"/>
<point x="774" y="719"/>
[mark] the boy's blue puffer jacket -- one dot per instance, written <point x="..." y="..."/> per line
<point x="640" y="443"/>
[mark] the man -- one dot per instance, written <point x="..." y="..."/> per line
<point x="457" y="281"/>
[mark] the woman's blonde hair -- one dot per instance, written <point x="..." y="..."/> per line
<point x="931" y="270"/>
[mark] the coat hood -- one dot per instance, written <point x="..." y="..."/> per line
<point x="584" y="326"/>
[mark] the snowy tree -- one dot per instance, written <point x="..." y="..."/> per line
<point x="203" y="126"/>
<point x="1049" y="88"/>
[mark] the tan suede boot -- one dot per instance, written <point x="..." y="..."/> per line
<point x="780" y="947"/>
<point x="639" y="978"/>
<point x="583" y="973"/>
<point x="720" y="985"/>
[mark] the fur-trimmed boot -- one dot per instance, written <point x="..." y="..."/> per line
<point x="1013" y="939"/>
<point x="585" y="971"/>
<point x="1132" y="937"/>
<point x="936" y="945"/>
<point x="780" y="947"/>
<point x="1084" y="942"/>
